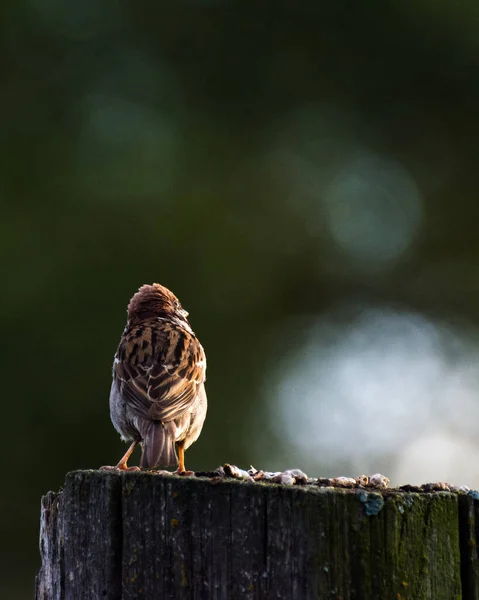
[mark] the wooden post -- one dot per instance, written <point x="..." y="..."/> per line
<point x="136" y="535"/>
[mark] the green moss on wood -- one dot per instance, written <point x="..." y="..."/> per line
<point x="167" y="536"/>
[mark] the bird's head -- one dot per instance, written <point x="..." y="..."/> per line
<point x="155" y="300"/>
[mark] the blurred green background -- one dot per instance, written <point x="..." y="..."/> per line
<point x="302" y="175"/>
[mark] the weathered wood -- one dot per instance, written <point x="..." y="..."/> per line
<point x="469" y="540"/>
<point x="137" y="535"/>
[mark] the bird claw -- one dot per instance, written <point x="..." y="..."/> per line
<point x="120" y="467"/>
<point x="183" y="473"/>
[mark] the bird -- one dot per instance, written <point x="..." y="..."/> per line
<point x="158" y="398"/>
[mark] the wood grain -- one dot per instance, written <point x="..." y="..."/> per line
<point x="138" y="535"/>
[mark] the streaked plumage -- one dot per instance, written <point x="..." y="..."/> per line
<point x="158" y="396"/>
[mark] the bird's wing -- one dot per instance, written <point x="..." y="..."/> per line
<point x="159" y="367"/>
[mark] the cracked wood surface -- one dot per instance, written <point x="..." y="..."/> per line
<point x="137" y="535"/>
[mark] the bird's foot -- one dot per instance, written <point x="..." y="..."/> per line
<point x="183" y="473"/>
<point x="120" y="467"/>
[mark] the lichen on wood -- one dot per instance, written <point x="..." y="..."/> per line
<point x="133" y="535"/>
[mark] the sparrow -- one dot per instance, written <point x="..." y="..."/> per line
<point x="158" y="397"/>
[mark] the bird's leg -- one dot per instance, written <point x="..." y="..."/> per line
<point x="180" y="448"/>
<point x="122" y="465"/>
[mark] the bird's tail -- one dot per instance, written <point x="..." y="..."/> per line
<point x="158" y="448"/>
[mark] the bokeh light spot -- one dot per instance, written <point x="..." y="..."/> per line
<point x="126" y="149"/>
<point x="373" y="209"/>
<point x="364" y="388"/>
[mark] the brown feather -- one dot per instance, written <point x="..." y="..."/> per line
<point x="159" y="373"/>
